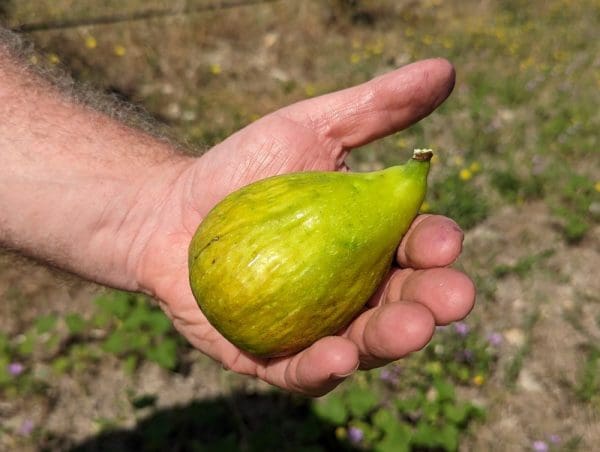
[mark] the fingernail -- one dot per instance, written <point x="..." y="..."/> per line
<point x="345" y="375"/>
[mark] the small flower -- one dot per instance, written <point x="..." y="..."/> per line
<point x="215" y="69"/>
<point x="495" y="339"/>
<point x="119" y="50"/>
<point x="475" y="167"/>
<point x="390" y="374"/>
<point x="53" y="58"/>
<point x="15" y="369"/>
<point x="540" y="446"/>
<point x="310" y="90"/>
<point x="26" y="427"/>
<point x="465" y="174"/>
<point x="355" y="58"/>
<point x="355" y="435"/>
<point x="467" y="355"/>
<point x="90" y="42"/>
<point x="461" y="328"/>
<point x="554" y="439"/>
<point x="478" y="380"/>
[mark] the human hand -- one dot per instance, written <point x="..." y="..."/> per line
<point x="316" y="134"/>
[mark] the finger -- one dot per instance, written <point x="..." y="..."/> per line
<point x="448" y="293"/>
<point x="390" y="332"/>
<point x="316" y="370"/>
<point x="431" y="241"/>
<point x="391" y="102"/>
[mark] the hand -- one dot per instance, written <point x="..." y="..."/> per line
<point x="317" y="134"/>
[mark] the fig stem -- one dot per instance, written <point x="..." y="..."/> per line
<point x="422" y="155"/>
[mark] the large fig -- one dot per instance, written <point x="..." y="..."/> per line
<point x="287" y="260"/>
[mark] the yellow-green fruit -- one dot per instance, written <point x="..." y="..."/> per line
<point x="287" y="260"/>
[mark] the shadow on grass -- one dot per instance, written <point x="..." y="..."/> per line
<point x="240" y="422"/>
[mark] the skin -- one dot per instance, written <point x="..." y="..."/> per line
<point x="88" y="194"/>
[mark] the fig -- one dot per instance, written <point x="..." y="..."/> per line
<point x="287" y="260"/>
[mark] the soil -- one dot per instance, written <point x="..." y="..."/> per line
<point x="539" y="401"/>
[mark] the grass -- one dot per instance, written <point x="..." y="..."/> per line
<point x="520" y="128"/>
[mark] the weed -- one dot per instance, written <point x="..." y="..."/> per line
<point x="587" y="388"/>
<point x="459" y="200"/>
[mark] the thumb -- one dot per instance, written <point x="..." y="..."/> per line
<point x="391" y="102"/>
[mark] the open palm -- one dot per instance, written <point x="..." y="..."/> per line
<point x="317" y="134"/>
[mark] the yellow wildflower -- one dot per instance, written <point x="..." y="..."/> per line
<point x="597" y="186"/>
<point x="310" y="90"/>
<point x="53" y="58"/>
<point x="427" y="40"/>
<point x="465" y="174"/>
<point x="377" y="47"/>
<point x="215" y="69"/>
<point x="119" y="50"/>
<point x="478" y="380"/>
<point x="90" y="42"/>
<point x="401" y="142"/>
<point x="458" y="160"/>
<point x="447" y="43"/>
<point x="355" y="58"/>
<point x="475" y="167"/>
<point x="341" y="433"/>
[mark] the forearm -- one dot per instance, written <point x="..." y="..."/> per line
<point x="70" y="179"/>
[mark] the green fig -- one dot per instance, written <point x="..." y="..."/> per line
<point x="287" y="260"/>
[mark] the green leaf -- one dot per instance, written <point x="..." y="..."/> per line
<point x="396" y="440"/>
<point x="115" y="303"/>
<point x="448" y="437"/>
<point x="445" y="390"/>
<point x="5" y="377"/>
<point x="425" y="435"/>
<point x="26" y="347"/>
<point x="130" y="364"/>
<point x="75" y="323"/>
<point x="396" y="433"/>
<point x="45" y="323"/>
<point x="61" y="365"/>
<point x="158" y="322"/>
<point x="331" y="409"/>
<point x="457" y="414"/>
<point x="117" y="342"/>
<point x="385" y="420"/>
<point x="361" y="401"/>
<point x="164" y="354"/>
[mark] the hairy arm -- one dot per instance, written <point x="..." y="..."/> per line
<point x="71" y="178"/>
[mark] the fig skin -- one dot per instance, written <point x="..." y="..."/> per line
<point x="290" y="259"/>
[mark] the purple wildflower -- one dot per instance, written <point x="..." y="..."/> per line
<point x="15" y="369"/>
<point x="26" y="427"/>
<point x="467" y="355"/>
<point x="355" y="435"/>
<point x="461" y="328"/>
<point x="390" y="374"/>
<point x="495" y="339"/>
<point x="554" y="439"/>
<point x="386" y="375"/>
<point x="540" y="446"/>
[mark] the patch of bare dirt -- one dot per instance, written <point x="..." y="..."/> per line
<point x="549" y="314"/>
